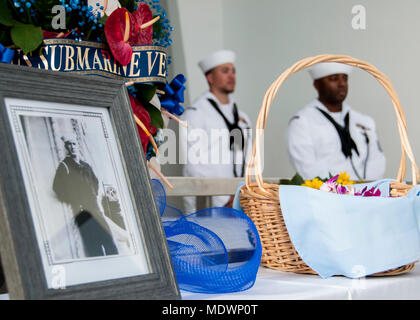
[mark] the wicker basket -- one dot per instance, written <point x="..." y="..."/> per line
<point x="260" y="200"/>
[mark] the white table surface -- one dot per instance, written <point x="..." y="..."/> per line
<point x="278" y="285"/>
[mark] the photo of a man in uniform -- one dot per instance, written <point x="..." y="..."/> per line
<point x="76" y="185"/>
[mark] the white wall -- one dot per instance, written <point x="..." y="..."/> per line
<point x="198" y="29"/>
<point x="198" y="25"/>
<point x="270" y="35"/>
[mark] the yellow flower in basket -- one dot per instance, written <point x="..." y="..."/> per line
<point x="344" y="179"/>
<point x="315" y="183"/>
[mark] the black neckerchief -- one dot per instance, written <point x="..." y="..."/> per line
<point x="231" y="127"/>
<point x="347" y="142"/>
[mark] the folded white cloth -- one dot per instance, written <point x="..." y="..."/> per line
<point x="352" y="236"/>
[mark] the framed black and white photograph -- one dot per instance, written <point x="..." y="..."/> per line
<point x="78" y="217"/>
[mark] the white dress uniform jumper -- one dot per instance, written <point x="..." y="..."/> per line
<point x="214" y="145"/>
<point x="321" y="142"/>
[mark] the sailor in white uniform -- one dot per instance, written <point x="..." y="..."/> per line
<point x="218" y="134"/>
<point x="328" y="137"/>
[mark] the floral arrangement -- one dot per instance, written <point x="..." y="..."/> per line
<point x="340" y="184"/>
<point x="119" y="25"/>
<point x="25" y="23"/>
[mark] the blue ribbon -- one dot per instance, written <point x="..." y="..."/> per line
<point x="6" y="54"/>
<point x="174" y="95"/>
<point x="203" y="257"/>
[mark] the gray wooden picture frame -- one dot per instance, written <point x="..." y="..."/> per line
<point x="19" y="251"/>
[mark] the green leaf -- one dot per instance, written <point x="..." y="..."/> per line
<point x="145" y="92"/>
<point x="284" y="181"/>
<point x="6" y="14"/>
<point x="128" y="4"/>
<point x="103" y="19"/>
<point x="297" y="180"/>
<point x="156" y="119"/>
<point x="26" y="36"/>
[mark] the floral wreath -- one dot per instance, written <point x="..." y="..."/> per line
<point x="119" y="24"/>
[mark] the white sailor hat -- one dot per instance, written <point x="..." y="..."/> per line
<point x="215" y="59"/>
<point x="69" y="138"/>
<point x="325" y="69"/>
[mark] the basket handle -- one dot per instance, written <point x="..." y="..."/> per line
<point x="255" y="160"/>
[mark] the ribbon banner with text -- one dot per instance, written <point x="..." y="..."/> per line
<point x="148" y="63"/>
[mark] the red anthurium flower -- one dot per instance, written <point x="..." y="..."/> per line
<point x="115" y="30"/>
<point x="144" y="117"/>
<point x="144" y="36"/>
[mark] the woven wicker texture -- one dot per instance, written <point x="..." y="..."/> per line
<point x="260" y="200"/>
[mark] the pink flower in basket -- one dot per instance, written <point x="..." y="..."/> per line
<point x="342" y="189"/>
<point x="331" y="185"/>
<point x="369" y="193"/>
